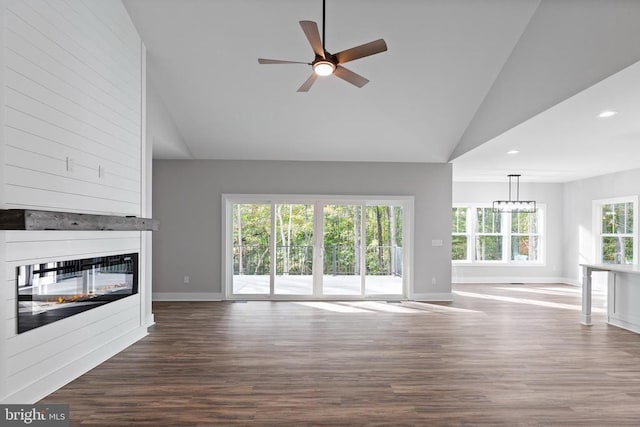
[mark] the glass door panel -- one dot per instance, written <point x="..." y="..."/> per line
<point x="341" y="249"/>
<point x="293" y="249"/>
<point x="307" y="248"/>
<point x="251" y="256"/>
<point x="384" y="252"/>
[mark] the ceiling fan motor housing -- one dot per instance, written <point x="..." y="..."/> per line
<point x="325" y="64"/>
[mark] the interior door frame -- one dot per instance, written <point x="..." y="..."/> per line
<point x="226" y="258"/>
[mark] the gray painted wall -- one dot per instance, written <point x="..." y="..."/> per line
<point x="549" y="194"/>
<point x="578" y="206"/>
<point x="187" y="200"/>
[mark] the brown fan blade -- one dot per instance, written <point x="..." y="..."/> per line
<point x="361" y="51"/>
<point x="310" y="29"/>
<point x="350" y="76"/>
<point x="307" y="84"/>
<point x="279" y="61"/>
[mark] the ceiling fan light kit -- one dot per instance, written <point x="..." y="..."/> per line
<point x="325" y="63"/>
<point x="324" y="68"/>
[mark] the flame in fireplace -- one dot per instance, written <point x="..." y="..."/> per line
<point x="76" y="297"/>
<point x="61" y="299"/>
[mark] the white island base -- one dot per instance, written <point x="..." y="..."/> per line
<point x="623" y="294"/>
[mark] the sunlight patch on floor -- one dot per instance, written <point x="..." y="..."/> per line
<point x="330" y="306"/>
<point x="382" y="306"/>
<point x="578" y="290"/>
<point x="437" y="308"/>
<point x="543" y="291"/>
<point x="527" y="301"/>
<point x="598" y="297"/>
<point x="377" y="307"/>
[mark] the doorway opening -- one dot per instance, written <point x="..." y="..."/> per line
<point x="316" y="247"/>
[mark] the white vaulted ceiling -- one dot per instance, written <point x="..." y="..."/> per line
<point x="460" y="76"/>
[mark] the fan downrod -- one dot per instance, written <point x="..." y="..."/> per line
<point x="325" y="63"/>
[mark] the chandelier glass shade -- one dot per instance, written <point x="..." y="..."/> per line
<point x="514" y="205"/>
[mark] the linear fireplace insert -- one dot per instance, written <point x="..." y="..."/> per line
<point x="48" y="292"/>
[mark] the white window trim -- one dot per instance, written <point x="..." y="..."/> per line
<point x="476" y="234"/>
<point x="227" y="224"/>
<point x="506" y="236"/>
<point x="465" y="234"/>
<point x="597" y="225"/>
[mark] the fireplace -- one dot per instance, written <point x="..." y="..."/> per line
<point x="48" y="292"/>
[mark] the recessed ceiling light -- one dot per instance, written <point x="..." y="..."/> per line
<point x="513" y="151"/>
<point x="607" y="113"/>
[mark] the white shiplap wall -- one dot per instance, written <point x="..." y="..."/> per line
<point x="73" y="105"/>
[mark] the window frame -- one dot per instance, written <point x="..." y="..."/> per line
<point x="477" y="234"/>
<point x="530" y="235"/>
<point x="506" y="234"/>
<point x="598" y="232"/>
<point x="408" y="227"/>
<point x="465" y="234"/>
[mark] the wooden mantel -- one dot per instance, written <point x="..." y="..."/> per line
<point x="32" y="219"/>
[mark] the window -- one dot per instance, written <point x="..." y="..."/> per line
<point x="525" y="239"/>
<point x="480" y="235"/>
<point x="617" y="231"/>
<point x="488" y="235"/>
<point x="459" y="240"/>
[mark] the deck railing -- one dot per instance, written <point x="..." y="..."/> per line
<point x="298" y="260"/>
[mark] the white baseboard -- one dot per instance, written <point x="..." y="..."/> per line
<point x="435" y="296"/>
<point x="151" y="320"/>
<point x="187" y="296"/>
<point x="625" y="324"/>
<point x="507" y="279"/>
<point x="572" y="282"/>
<point x="61" y="377"/>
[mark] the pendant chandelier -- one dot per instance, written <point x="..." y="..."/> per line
<point x="514" y="205"/>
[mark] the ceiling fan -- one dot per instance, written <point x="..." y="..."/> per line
<point x="325" y="63"/>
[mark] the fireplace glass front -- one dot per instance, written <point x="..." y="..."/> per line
<point x="51" y="291"/>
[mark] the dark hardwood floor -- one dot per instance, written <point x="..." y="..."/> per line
<point x="503" y="355"/>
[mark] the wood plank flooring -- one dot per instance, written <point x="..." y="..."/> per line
<point x="499" y="355"/>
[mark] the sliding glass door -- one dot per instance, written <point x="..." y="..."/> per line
<point x="293" y="249"/>
<point x="250" y="251"/>
<point x="316" y="248"/>
<point x="341" y="250"/>
<point x="384" y="253"/>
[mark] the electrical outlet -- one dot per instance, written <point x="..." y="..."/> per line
<point x="433" y="280"/>
<point x="186" y="280"/>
